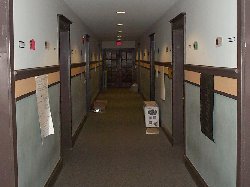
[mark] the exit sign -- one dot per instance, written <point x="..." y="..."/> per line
<point x="118" y="43"/>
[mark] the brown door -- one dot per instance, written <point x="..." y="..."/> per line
<point x="119" y="65"/>
<point x="127" y="68"/>
<point x="152" y="67"/>
<point x="65" y="76"/>
<point x="8" y="147"/>
<point x="243" y="131"/>
<point x="178" y="80"/>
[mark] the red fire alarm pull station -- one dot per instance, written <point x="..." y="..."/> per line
<point x="32" y="44"/>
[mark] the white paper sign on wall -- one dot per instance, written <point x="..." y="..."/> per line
<point x="43" y="106"/>
<point x="163" y="91"/>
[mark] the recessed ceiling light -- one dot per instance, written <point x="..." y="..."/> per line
<point x="119" y="36"/>
<point x="120" y="31"/>
<point x="119" y="39"/>
<point x="120" y="24"/>
<point x="120" y="12"/>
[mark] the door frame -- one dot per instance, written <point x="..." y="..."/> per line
<point x="139" y="67"/>
<point x="86" y="39"/>
<point x="243" y="104"/>
<point x="65" y="86"/>
<point x="152" y="66"/>
<point x="179" y="136"/>
<point x="8" y="131"/>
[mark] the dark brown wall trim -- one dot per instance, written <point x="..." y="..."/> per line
<point x="145" y="67"/>
<point x="78" y="65"/>
<point x="64" y="19"/>
<point x="168" y="135"/>
<point x="78" y="131"/>
<point x="145" y="62"/>
<point x="189" y="82"/>
<point x="32" y="72"/>
<point x="165" y="64"/>
<point x="34" y="92"/>
<point x="94" y="62"/>
<point x="216" y="91"/>
<point x="217" y="71"/>
<point x="178" y="17"/>
<point x="51" y="181"/>
<point x="94" y="68"/>
<point x="77" y="75"/>
<point x="194" y="173"/>
<point x="226" y="95"/>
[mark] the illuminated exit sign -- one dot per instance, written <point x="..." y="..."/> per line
<point x="118" y="43"/>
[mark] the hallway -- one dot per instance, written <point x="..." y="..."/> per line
<point x="57" y="57"/>
<point x="113" y="150"/>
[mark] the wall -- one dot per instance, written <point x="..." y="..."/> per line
<point x="38" y="20"/>
<point x="204" y="22"/>
<point x="78" y="92"/>
<point x="112" y="44"/>
<point x="145" y="82"/>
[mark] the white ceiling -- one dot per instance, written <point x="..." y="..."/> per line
<point x="100" y="16"/>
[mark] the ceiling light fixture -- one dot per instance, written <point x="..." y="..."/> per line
<point x="120" y="12"/>
<point x="119" y="24"/>
<point x="120" y="31"/>
<point x="119" y="36"/>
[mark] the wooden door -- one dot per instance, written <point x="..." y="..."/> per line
<point x="65" y="78"/>
<point x="178" y="80"/>
<point x="8" y="136"/>
<point x="119" y="65"/>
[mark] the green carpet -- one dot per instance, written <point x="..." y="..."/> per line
<point x="114" y="151"/>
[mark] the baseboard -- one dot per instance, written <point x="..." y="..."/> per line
<point x="168" y="135"/>
<point x="194" y="173"/>
<point x="53" y="177"/>
<point x="78" y="131"/>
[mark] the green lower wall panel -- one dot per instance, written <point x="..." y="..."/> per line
<point x="36" y="159"/>
<point x="78" y="96"/>
<point x="215" y="161"/>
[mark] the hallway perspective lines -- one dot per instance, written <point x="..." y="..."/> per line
<point x="114" y="151"/>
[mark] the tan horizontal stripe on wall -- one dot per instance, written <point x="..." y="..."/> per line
<point x="221" y="84"/>
<point x="77" y="71"/>
<point x="226" y="85"/>
<point x="193" y="77"/>
<point x="145" y="65"/>
<point x="92" y="66"/>
<point x="25" y="86"/>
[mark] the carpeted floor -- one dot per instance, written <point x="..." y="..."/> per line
<point x="114" y="151"/>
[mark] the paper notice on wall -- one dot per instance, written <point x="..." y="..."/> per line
<point x="43" y="106"/>
<point x="163" y="91"/>
<point x="156" y="71"/>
